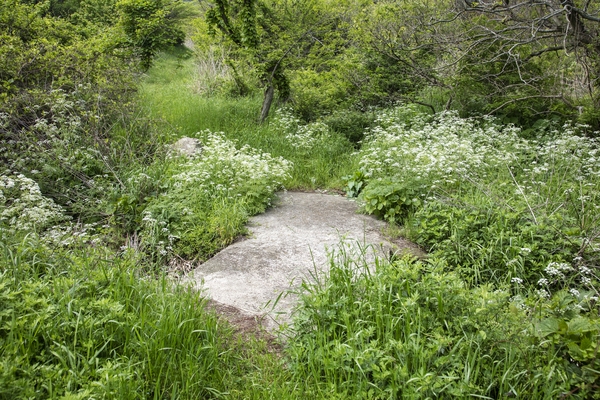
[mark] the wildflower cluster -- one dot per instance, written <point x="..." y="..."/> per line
<point x="441" y="151"/>
<point x="302" y="137"/>
<point x="57" y="149"/>
<point x="53" y="133"/>
<point x="222" y="169"/>
<point x="501" y="207"/>
<point x="23" y="207"/>
<point x="563" y="170"/>
<point x="209" y="198"/>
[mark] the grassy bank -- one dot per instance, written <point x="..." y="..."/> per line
<point x="168" y="92"/>
<point x="82" y="324"/>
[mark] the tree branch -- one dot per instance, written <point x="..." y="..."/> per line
<point x="585" y="15"/>
<point x="561" y="97"/>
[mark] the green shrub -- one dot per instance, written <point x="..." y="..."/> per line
<point x="318" y="92"/>
<point x="152" y="25"/>
<point x="351" y="124"/>
<point x="391" y="198"/>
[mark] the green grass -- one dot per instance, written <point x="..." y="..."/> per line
<point x="168" y="93"/>
<point x="414" y="330"/>
<point x="82" y="324"/>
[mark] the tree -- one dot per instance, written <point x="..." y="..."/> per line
<point x="271" y="35"/>
<point x="251" y="27"/>
<point x="550" y="47"/>
<point x="398" y="44"/>
<point x="491" y="56"/>
<point x="152" y="25"/>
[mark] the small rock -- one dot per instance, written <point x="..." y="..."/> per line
<point x="188" y="146"/>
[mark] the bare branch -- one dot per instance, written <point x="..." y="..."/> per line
<point x="585" y="15"/>
<point x="527" y="98"/>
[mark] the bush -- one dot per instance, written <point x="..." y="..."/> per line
<point x="318" y="93"/>
<point x="351" y="124"/>
<point x="476" y="193"/>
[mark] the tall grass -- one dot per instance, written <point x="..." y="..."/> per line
<point x="82" y="324"/>
<point x="168" y="93"/>
<point x="408" y="329"/>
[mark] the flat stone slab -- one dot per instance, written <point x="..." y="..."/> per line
<point x="286" y="244"/>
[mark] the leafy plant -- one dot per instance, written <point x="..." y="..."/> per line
<point x="209" y="198"/>
<point x="152" y="25"/>
<point x="391" y="198"/>
<point x="351" y="124"/>
<point x="354" y="183"/>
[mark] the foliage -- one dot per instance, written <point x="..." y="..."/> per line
<point x="501" y="209"/>
<point x="215" y="72"/>
<point x="250" y="28"/>
<point x="520" y="60"/>
<point x="409" y="329"/>
<point x="303" y="137"/>
<point x="168" y="92"/>
<point x="298" y="48"/>
<point x="316" y="92"/>
<point x="478" y="57"/>
<point x="66" y="118"/>
<point x="354" y="183"/>
<point x="152" y="25"/>
<point x="477" y="193"/>
<point x="208" y="199"/>
<point x="507" y="304"/>
<point x="83" y="323"/>
<point x="350" y="123"/>
<point x="392" y="198"/>
<point x="24" y="208"/>
<point x="41" y="54"/>
<point x="397" y="43"/>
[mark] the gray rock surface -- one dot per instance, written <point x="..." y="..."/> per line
<point x="284" y="246"/>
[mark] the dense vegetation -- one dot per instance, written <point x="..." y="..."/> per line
<point x="471" y="127"/>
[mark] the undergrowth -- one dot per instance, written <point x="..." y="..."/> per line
<point x="494" y="205"/>
<point x="505" y="306"/>
<point x="319" y="155"/>
<point x="207" y="198"/>
<point x="411" y="329"/>
<point x="81" y="323"/>
<point x="499" y="210"/>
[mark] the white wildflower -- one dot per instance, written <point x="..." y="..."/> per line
<point x="543" y="294"/>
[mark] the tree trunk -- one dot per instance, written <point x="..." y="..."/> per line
<point x="267" y="101"/>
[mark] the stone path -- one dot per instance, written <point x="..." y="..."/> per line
<point x="285" y="244"/>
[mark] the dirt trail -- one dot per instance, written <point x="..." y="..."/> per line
<point x="285" y="244"/>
